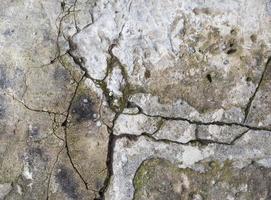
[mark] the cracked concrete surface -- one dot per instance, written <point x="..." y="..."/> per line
<point x="120" y="100"/>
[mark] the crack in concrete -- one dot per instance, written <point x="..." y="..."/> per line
<point x="65" y="122"/>
<point x="251" y="99"/>
<point x="66" y="68"/>
<point x="113" y="60"/>
<point x="25" y="83"/>
<point x="109" y="160"/>
<point x="68" y="12"/>
<point x="197" y="141"/>
<point x="78" y="61"/>
<point x="110" y="153"/>
<point x="113" y="138"/>
<point x="30" y="108"/>
<point x="74" y="17"/>
<point x="197" y="122"/>
<point x="109" y="164"/>
<point x="200" y="142"/>
<point x="54" y="128"/>
<point x="51" y="173"/>
<point x="65" y="125"/>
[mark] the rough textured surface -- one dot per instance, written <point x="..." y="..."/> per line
<point x="126" y="99"/>
<point x="219" y="181"/>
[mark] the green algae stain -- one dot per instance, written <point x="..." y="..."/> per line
<point x="159" y="179"/>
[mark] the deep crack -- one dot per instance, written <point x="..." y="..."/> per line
<point x="196" y="122"/>
<point x="197" y="141"/>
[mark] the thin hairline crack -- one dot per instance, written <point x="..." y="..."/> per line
<point x="251" y="99"/>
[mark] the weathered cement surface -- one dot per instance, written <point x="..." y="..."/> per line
<point x="135" y="99"/>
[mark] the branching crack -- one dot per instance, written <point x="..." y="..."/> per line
<point x="30" y="108"/>
<point x="79" y="63"/>
<point x="113" y="60"/>
<point x="65" y="125"/>
<point x="197" y="141"/>
<point x="109" y="160"/>
<point x="54" y="128"/>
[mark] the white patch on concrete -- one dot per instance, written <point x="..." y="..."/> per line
<point x="27" y="172"/>
<point x="129" y="155"/>
<point x="115" y="82"/>
<point x="176" y="130"/>
<point x="5" y="188"/>
<point x="135" y="124"/>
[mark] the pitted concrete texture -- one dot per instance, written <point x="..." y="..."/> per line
<point x="135" y="99"/>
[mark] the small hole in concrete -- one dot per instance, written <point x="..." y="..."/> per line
<point x="248" y="79"/>
<point x="147" y="74"/>
<point x="209" y="77"/>
<point x="231" y="51"/>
